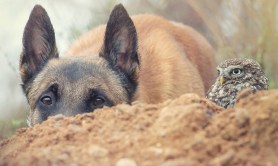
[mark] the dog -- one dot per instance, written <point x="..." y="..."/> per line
<point x="142" y="58"/>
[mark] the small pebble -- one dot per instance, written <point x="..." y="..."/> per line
<point x="58" y="117"/>
<point x="97" y="151"/>
<point x="126" y="162"/>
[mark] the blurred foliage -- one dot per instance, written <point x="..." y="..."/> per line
<point x="248" y="30"/>
<point x="8" y="127"/>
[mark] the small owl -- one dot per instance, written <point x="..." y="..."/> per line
<point x="233" y="76"/>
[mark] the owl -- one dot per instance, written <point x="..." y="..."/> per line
<point x="235" y="75"/>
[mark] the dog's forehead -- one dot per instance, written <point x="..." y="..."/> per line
<point x="73" y="72"/>
<point x="75" y="69"/>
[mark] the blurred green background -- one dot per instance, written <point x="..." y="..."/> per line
<point x="235" y="28"/>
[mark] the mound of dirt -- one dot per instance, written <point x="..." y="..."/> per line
<point x="187" y="131"/>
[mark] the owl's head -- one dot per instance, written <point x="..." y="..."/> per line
<point x="240" y="70"/>
<point x="235" y="75"/>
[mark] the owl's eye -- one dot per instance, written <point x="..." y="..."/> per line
<point x="236" y="71"/>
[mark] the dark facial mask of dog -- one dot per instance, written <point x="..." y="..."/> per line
<point x="71" y="85"/>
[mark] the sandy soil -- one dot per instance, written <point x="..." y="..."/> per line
<point x="186" y="131"/>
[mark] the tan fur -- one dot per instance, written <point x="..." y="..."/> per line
<point x="174" y="58"/>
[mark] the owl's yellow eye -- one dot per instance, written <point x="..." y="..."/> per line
<point x="236" y="71"/>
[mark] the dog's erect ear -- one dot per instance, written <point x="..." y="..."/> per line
<point x="120" y="43"/>
<point x="38" y="44"/>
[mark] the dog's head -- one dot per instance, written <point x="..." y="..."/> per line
<point x="69" y="86"/>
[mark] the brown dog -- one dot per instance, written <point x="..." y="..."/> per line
<point x="144" y="58"/>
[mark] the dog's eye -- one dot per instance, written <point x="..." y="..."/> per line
<point x="46" y="100"/>
<point x="98" y="101"/>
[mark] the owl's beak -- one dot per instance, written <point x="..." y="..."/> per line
<point x="221" y="80"/>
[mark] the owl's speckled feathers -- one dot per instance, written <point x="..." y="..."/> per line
<point x="233" y="76"/>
